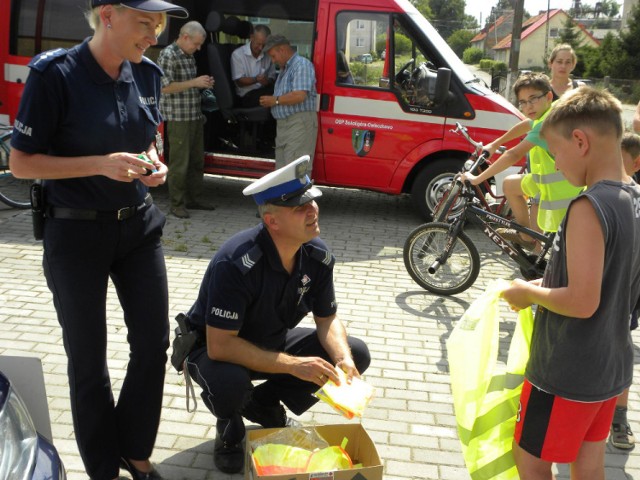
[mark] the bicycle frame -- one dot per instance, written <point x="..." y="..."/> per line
<point x="482" y="217"/>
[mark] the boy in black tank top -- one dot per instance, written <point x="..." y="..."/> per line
<point x="581" y="348"/>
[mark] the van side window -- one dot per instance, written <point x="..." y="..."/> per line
<point x="411" y="66"/>
<point x="59" y="24"/>
<point x="362" y="41"/>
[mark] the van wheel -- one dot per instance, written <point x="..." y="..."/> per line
<point x="431" y="183"/>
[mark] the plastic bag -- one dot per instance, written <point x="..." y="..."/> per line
<point x="485" y="399"/>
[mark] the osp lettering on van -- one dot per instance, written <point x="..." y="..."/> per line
<point x="222" y="313"/>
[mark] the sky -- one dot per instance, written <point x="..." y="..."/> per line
<point x="476" y="7"/>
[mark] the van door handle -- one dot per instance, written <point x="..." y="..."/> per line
<point x="324" y="102"/>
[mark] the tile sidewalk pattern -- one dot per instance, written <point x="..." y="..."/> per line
<point x="411" y="418"/>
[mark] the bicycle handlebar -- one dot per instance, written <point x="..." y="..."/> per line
<point x="462" y="130"/>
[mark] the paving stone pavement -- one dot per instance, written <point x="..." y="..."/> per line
<point x="411" y="418"/>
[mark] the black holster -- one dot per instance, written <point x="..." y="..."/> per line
<point x="185" y="342"/>
<point x="38" y="209"/>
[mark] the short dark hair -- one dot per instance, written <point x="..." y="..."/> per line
<point x="631" y="144"/>
<point x="585" y="107"/>
<point x="536" y="81"/>
<point x="260" y="28"/>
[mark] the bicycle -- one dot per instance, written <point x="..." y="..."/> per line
<point x="14" y="192"/>
<point x="448" y="207"/>
<point x="441" y="258"/>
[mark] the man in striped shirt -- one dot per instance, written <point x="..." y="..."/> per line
<point x="293" y="103"/>
<point x="180" y="105"/>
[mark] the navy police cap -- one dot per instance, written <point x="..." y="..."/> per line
<point x="288" y="186"/>
<point x="154" y="6"/>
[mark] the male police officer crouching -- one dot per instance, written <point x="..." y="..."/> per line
<point x="258" y="287"/>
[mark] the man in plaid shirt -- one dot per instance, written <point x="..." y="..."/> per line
<point x="293" y="103"/>
<point x="180" y="105"/>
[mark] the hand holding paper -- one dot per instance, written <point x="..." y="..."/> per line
<point x="348" y="399"/>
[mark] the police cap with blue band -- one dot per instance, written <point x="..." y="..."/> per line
<point x="288" y="186"/>
<point x="153" y="6"/>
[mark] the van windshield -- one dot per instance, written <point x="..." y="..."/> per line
<point x="457" y="66"/>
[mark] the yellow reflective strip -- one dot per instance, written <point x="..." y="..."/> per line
<point x="508" y="381"/>
<point x="555" y="204"/>
<point x="494" y="417"/>
<point x="495" y="467"/>
<point x="554" y="177"/>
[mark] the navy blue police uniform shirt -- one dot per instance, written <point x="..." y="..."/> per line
<point x="71" y="107"/>
<point x="246" y="288"/>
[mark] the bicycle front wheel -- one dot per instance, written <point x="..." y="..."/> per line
<point x="13" y="192"/>
<point x="424" y="258"/>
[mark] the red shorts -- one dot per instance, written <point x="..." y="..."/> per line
<point x="553" y="428"/>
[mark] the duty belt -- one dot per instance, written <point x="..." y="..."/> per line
<point x="82" y="214"/>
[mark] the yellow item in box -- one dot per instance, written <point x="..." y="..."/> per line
<point x="349" y="399"/>
<point x="274" y="459"/>
<point x="330" y="459"/>
<point x="360" y="448"/>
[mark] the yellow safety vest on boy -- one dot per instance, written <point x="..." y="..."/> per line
<point x="555" y="190"/>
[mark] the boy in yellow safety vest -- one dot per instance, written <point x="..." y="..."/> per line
<point x="545" y="183"/>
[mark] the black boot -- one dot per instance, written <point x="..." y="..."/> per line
<point x="228" y="450"/>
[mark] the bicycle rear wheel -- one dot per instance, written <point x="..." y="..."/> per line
<point x="13" y="191"/>
<point x="450" y="205"/>
<point x="424" y="248"/>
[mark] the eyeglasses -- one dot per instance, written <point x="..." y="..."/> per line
<point x="532" y="101"/>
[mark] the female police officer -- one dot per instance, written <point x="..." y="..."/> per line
<point x="85" y="116"/>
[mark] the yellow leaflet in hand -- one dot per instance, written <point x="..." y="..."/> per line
<point x="348" y="399"/>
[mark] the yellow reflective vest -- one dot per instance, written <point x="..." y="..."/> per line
<point x="554" y="189"/>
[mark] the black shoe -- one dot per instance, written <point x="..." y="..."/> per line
<point x="268" y="417"/>
<point x="228" y="457"/>
<point x="137" y="474"/>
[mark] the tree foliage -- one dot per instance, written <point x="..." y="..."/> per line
<point x="616" y="57"/>
<point x="460" y="40"/>
<point x="423" y="7"/>
<point x="569" y="34"/>
<point x="471" y="22"/>
<point x="448" y="16"/>
<point x="472" y="55"/>
<point x="630" y="40"/>
<point x="606" y="8"/>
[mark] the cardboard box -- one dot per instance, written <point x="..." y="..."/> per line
<point x="360" y="448"/>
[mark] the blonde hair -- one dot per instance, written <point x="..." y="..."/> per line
<point x="561" y="48"/>
<point x="585" y="107"/>
<point x="93" y="18"/>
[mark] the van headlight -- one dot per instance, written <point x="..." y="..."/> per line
<point x="19" y="440"/>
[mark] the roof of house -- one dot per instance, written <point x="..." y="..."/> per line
<point x="533" y="24"/>
<point x="491" y="27"/>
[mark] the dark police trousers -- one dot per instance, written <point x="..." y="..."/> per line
<point x="79" y="258"/>
<point x="226" y="386"/>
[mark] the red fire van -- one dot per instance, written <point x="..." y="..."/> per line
<point x="386" y="128"/>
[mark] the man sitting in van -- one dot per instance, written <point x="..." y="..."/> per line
<point x="252" y="70"/>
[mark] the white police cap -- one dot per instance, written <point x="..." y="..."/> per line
<point x="288" y="186"/>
